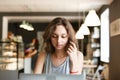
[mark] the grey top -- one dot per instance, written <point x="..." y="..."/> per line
<point x="49" y="68"/>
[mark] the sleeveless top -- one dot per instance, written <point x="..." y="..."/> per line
<point x="49" y="68"/>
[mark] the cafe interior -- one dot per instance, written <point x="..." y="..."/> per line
<point x="97" y="27"/>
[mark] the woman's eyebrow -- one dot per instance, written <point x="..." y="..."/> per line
<point x="61" y="34"/>
<point x="54" y="34"/>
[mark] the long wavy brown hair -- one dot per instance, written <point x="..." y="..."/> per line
<point x="48" y="47"/>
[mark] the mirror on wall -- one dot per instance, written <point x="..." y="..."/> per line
<point x="105" y="36"/>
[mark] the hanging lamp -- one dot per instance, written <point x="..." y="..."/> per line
<point x="27" y="26"/>
<point x="84" y="29"/>
<point x="92" y="19"/>
<point x="79" y="35"/>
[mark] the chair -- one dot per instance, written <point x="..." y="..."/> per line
<point x="97" y="73"/>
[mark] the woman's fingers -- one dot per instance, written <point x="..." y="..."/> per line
<point x="73" y="44"/>
<point x="72" y="49"/>
<point x="69" y="50"/>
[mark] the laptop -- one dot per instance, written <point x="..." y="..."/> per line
<point x="24" y="76"/>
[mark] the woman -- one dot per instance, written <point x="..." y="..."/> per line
<point x="32" y="51"/>
<point x="60" y="54"/>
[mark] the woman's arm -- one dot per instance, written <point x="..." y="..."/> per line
<point x="76" y="58"/>
<point x="77" y="65"/>
<point x="31" y="53"/>
<point x="40" y="63"/>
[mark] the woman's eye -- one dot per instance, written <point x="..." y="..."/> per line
<point x="64" y="36"/>
<point x="54" y="36"/>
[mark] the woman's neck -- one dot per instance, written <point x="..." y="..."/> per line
<point x="59" y="54"/>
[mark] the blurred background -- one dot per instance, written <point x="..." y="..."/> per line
<point x="96" y="23"/>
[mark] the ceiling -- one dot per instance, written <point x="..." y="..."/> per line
<point x="50" y="6"/>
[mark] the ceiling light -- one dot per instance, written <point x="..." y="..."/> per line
<point x="27" y="26"/>
<point x="79" y="35"/>
<point x="84" y="29"/>
<point x="92" y="19"/>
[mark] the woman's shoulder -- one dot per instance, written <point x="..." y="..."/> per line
<point x="42" y="54"/>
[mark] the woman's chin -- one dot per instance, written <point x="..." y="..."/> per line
<point x="59" y="48"/>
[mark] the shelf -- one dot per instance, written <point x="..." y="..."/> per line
<point x="10" y="56"/>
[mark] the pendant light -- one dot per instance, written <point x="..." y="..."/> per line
<point x="92" y="19"/>
<point x="84" y="29"/>
<point x="79" y="34"/>
<point x="27" y="26"/>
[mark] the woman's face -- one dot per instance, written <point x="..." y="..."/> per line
<point x="59" y="37"/>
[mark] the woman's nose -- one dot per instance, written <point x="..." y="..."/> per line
<point x="59" y="39"/>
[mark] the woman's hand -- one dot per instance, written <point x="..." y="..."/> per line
<point x="72" y="52"/>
